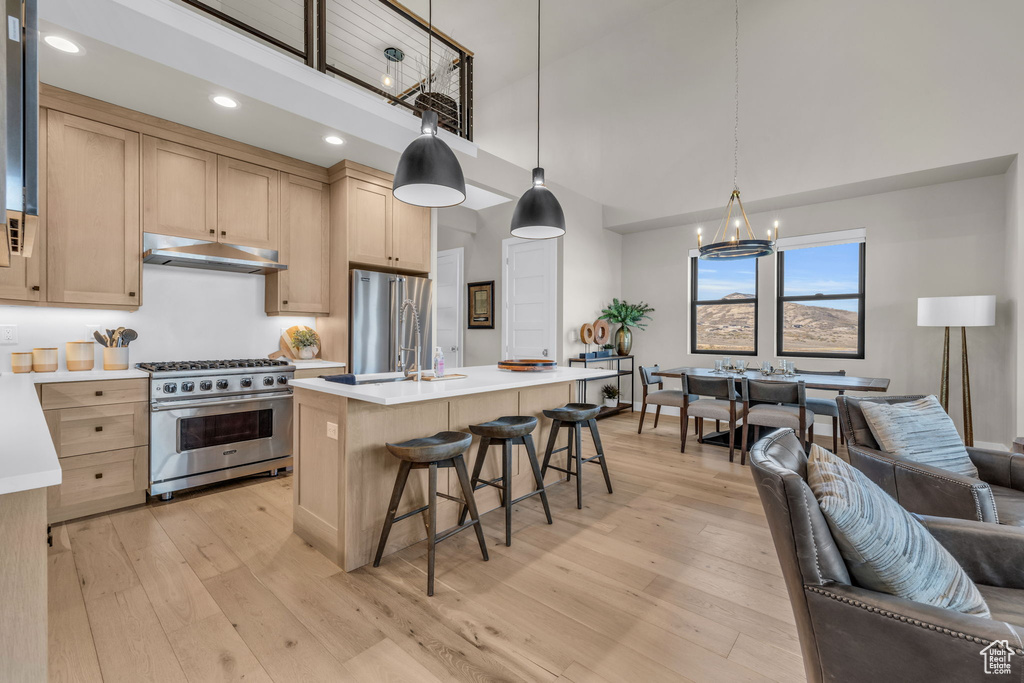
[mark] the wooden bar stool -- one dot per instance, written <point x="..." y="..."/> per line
<point x="441" y="450"/>
<point x="575" y="416"/>
<point x="507" y="432"/>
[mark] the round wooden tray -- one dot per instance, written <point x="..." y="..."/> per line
<point x="528" y="365"/>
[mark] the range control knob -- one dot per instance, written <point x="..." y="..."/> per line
<point x="170" y="387"/>
<point x="188" y="386"/>
<point x="282" y="380"/>
<point x="205" y="385"/>
<point x="222" y="384"/>
<point x="268" y="381"/>
<point x="246" y="382"/>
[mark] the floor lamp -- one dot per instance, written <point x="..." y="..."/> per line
<point x="962" y="312"/>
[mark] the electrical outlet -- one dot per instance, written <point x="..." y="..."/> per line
<point x="8" y="334"/>
<point x="89" y="329"/>
<point x="332" y="430"/>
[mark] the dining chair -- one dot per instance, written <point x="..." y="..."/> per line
<point x="826" y="406"/>
<point x="659" y="397"/>
<point x="717" y="402"/>
<point x="775" y="404"/>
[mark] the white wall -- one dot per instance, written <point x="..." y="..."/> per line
<point x="833" y="92"/>
<point x="941" y="240"/>
<point x="187" y="314"/>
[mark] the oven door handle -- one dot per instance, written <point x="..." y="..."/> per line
<point x="161" y="407"/>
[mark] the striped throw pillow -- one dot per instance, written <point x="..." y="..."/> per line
<point x="885" y="549"/>
<point x="920" y="431"/>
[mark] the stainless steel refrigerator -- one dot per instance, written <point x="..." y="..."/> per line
<point x="376" y="332"/>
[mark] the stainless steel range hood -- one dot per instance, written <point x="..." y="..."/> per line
<point x="166" y="250"/>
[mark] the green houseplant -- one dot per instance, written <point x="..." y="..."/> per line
<point x="307" y="341"/>
<point x="626" y="315"/>
<point x="611" y="395"/>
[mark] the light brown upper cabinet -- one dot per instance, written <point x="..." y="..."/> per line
<point x="410" y="236"/>
<point x="93" y="232"/>
<point x="179" y="190"/>
<point x="382" y="231"/>
<point x="248" y="211"/>
<point x="25" y="280"/>
<point x="369" y="221"/>
<point x="305" y="249"/>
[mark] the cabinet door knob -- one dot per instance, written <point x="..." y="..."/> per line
<point x="396" y="258"/>
<point x="99" y="393"/>
<point x="285" y="302"/>
<point x="131" y="293"/>
<point x="99" y="475"/>
<point x="35" y="288"/>
<point x="223" y="233"/>
<point x="212" y="231"/>
<point x="99" y="428"/>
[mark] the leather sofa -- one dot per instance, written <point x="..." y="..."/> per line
<point x="848" y="633"/>
<point x="997" y="496"/>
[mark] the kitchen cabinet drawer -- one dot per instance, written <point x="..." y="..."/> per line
<point x="104" y="392"/>
<point x="99" y="482"/>
<point x="98" y="428"/>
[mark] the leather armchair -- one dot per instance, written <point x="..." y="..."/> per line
<point x="848" y="633"/>
<point x="996" y="496"/>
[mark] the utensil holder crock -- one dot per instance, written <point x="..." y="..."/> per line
<point x="115" y="358"/>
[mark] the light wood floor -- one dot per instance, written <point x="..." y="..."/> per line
<point x="671" y="578"/>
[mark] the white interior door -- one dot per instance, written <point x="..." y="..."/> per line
<point x="450" y="283"/>
<point x="530" y="293"/>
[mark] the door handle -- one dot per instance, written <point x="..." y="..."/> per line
<point x="455" y="348"/>
<point x="545" y="353"/>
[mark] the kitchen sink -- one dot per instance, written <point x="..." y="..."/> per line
<point x="386" y="380"/>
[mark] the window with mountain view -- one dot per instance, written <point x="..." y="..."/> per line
<point x="821" y="301"/>
<point x="723" y="310"/>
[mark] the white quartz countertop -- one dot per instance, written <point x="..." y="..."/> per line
<point x="28" y="459"/>
<point x="480" y="379"/>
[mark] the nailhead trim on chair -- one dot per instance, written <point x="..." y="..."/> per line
<point x="910" y="468"/>
<point x="904" y="619"/>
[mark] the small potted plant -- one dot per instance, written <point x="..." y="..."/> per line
<point x="307" y="341"/>
<point x="611" y="396"/>
<point x="626" y="315"/>
<point x="606" y="351"/>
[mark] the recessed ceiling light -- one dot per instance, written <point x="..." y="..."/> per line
<point x="225" y="101"/>
<point x="63" y="44"/>
<point x="333" y="140"/>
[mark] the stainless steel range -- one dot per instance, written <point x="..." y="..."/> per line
<point x="215" y="420"/>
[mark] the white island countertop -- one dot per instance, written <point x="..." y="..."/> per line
<point x="480" y="379"/>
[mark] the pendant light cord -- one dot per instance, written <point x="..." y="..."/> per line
<point x="430" y="47"/>
<point x="538" y="83"/>
<point x="736" y="118"/>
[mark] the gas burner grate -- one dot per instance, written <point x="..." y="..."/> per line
<point x="178" y="366"/>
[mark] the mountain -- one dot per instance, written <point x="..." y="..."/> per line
<point x="807" y="328"/>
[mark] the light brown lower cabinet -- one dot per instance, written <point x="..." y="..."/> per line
<point x="101" y="433"/>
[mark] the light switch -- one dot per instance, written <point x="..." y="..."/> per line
<point x="332" y="430"/>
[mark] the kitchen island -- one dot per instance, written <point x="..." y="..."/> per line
<point x="344" y="474"/>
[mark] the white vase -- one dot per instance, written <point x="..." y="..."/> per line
<point x="611" y="403"/>
<point x="306" y="353"/>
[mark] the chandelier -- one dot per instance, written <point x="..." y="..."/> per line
<point x="727" y="244"/>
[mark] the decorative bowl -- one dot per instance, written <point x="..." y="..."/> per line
<point x="528" y="365"/>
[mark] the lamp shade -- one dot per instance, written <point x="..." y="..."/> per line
<point x="428" y="173"/>
<point x="538" y="215"/>
<point x="956" y="311"/>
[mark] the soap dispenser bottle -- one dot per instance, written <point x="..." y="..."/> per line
<point x="438" y="363"/>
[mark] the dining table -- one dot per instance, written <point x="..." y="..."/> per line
<point x="837" y="383"/>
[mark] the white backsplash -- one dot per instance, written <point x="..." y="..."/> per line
<point x="186" y="314"/>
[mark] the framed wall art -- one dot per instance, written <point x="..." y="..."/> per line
<point x="480" y="303"/>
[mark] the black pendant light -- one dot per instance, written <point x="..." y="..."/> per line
<point x="728" y="244"/>
<point x="538" y="215"/>
<point x="428" y="173"/>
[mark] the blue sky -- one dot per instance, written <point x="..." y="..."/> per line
<point x="812" y="270"/>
